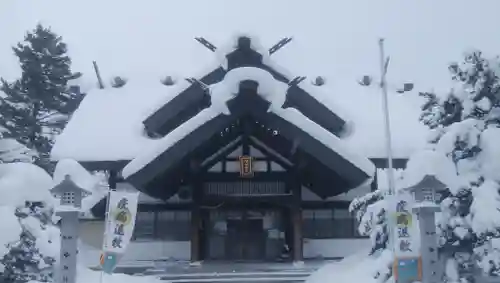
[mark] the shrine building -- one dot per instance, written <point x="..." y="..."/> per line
<point x="242" y="163"/>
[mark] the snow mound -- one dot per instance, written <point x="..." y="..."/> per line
<point x="79" y="175"/>
<point x="20" y="182"/>
<point x="432" y="163"/>
<point x="356" y="268"/>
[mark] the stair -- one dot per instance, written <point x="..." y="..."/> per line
<point x="237" y="277"/>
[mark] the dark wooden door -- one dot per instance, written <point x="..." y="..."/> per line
<point x="245" y="239"/>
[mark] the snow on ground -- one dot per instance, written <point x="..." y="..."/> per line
<point x="356" y="268"/>
<point x="88" y="276"/>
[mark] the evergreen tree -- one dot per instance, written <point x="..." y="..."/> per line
<point x="25" y="261"/>
<point x="38" y="105"/>
<point x="465" y="126"/>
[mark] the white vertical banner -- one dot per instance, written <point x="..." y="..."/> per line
<point x="406" y="228"/>
<point x="120" y="222"/>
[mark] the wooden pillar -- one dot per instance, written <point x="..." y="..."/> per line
<point x="112" y="179"/>
<point x="297" y="224"/>
<point x="196" y="219"/>
<point x="374" y="184"/>
<point x="195" y="235"/>
<point x="295" y="188"/>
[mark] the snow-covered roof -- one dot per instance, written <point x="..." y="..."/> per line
<point x="108" y="124"/>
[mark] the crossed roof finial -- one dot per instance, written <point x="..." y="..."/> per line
<point x="280" y="44"/>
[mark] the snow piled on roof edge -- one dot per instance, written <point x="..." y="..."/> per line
<point x="168" y="141"/>
<point x="328" y="139"/>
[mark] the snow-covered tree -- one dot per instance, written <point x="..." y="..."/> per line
<point x="464" y="126"/>
<point x="37" y="106"/>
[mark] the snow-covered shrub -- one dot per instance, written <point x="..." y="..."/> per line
<point x="464" y="126"/>
<point x="27" y="260"/>
<point x="30" y="243"/>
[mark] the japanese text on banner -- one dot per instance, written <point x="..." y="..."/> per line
<point x="405" y="229"/>
<point x="121" y="219"/>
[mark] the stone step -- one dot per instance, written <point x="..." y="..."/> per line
<point x="238" y="279"/>
<point x="239" y="275"/>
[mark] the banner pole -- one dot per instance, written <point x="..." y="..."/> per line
<point x="105" y="234"/>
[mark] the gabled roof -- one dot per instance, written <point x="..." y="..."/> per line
<point x="107" y="130"/>
<point x="171" y="162"/>
<point x="195" y="98"/>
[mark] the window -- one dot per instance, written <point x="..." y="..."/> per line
<point x="144" y="225"/>
<point x="68" y="198"/>
<point x="163" y="225"/>
<point x="329" y="223"/>
<point x="174" y="225"/>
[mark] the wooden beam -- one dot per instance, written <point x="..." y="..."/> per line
<point x="353" y="175"/>
<point x="221" y="154"/>
<point x="246" y="135"/>
<point x="183" y="107"/>
<point x="235" y="176"/>
<point x="233" y="159"/>
<point x="172" y="158"/>
<point x="104" y="165"/>
<point x="278" y="200"/>
<point x="271" y="153"/>
<point x="314" y="110"/>
<point x="383" y="163"/>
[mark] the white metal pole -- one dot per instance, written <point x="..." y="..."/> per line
<point x="388" y="143"/>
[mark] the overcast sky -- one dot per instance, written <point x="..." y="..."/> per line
<point x="336" y="39"/>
